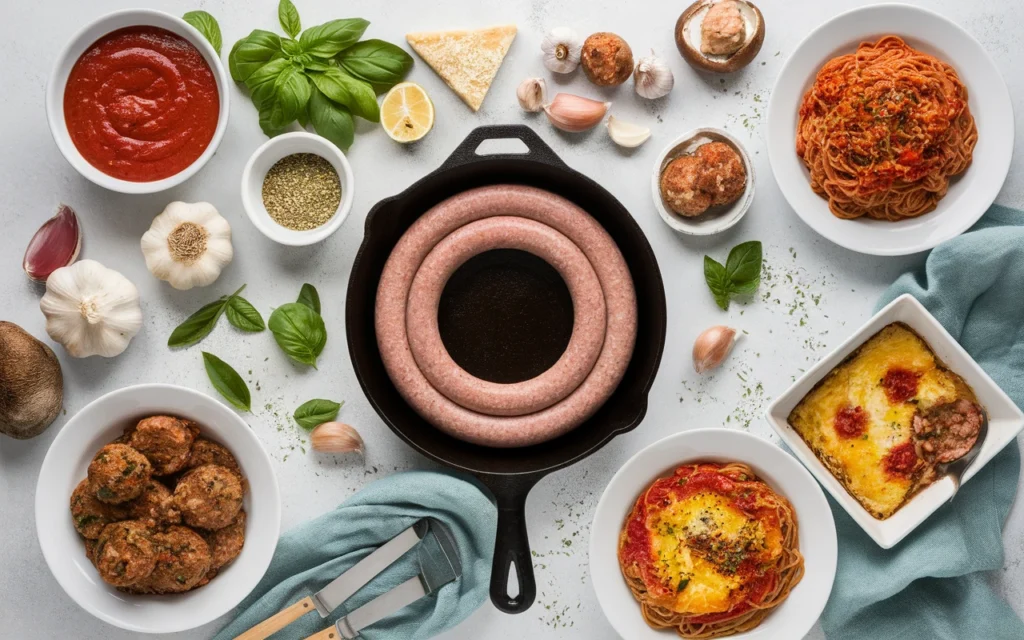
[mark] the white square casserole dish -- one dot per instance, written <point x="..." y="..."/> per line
<point x="1005" y="419"/>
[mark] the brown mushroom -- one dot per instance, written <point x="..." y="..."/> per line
<point x="720" y="36"/>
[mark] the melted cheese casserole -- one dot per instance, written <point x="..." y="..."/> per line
<point x="858" y="419"/>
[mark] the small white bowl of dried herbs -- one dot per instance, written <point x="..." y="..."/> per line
<point x="297" y="188"/>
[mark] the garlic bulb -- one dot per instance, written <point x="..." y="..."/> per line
<point x="712" y="346"/>
<point x="653" y="78"/>
<point x="531" y="94"/>
<point x="561" y="47"/>
<point x="627" y="134"/>
<point x="574" y="113"/>
<point x="91" y="310"/>
<point x="336" y="437"/>
<point x="188" y="245"/>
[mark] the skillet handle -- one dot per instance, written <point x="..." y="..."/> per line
<point x="537" y="149"/>
<point x="512" y="545"/>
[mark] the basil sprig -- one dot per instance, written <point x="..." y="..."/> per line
<point x="322" y="76"/>
<point x="227" y="381"/>
<point x="741" y="274"/>
<point x="309" y="296"/>
<point x="207" y="25"/>
<point x="313" y="413"/>
<point x="298" y="328"/>
<point x="199" y="325"/>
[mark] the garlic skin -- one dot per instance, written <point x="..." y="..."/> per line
<point x="562" y="48"/>
<point x="653" y="78"/>
<point x="531" y="93"/>
<point x="56" y="244"/>
<point x="336" y="437"/>
<point x="188" y="245"/>
<point x="575" y="113"/>
<point x="712" y="346"/>
<point x="91" y="310"/>
<point x="627" y="134"/>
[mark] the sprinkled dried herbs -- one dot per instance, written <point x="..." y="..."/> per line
<point x="302" y="191"/>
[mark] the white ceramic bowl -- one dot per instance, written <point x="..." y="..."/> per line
<point x="716" y="219"/>
<point x="81" y="41"/>
<point x="65" y="466"/>
<point x="794" y="617"/>
<point x="265" y="157"/>
<point x="1005" y="420"/>
<point x="969" y="195"/>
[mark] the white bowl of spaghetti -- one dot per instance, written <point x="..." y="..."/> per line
<point x="890" y="130"/>
<point x="703" y="487"/>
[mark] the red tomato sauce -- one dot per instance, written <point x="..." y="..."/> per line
<point x="900" y="384"/>
<point x="901" y="460"/>
<point x="850" y="422"/>
<point x="141" y="104"/>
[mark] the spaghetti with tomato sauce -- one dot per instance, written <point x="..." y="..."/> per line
<point x="883" y="129"/>
<point x="710" y="550"/>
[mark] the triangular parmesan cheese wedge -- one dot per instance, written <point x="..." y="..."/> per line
<point x="466" y="60"/>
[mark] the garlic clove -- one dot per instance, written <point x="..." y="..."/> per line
<point x="188" y="245"/>
<point x="627" y="134"/>
<point x="712" y="346"/>
<point x="531" y="93"/>
<point x="336" y="437"/>
<point x="562" y="48"/>
<point x="56" y="244"/>
<point x="653" y="78"/>
<point x="575" y="113"/>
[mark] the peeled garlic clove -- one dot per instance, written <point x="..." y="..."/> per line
<point x="562" y="48"/>
<point x="653" y="78"/>
<point x="575" y="113"/>
<point x="55" y="245"/>
<point x="531" y="94"/>
<point x="712" y="347"/>
<point x="627" y="134"/>
<point x="336" y="437"/>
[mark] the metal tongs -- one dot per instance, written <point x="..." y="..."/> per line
<point x="439" y="564"/>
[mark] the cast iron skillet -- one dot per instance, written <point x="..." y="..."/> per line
<point x="508" y="473"/>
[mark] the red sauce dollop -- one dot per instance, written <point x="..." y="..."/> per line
<point x="901" y="459"/>
<point x="850" y="422"/>
<point x="900" y="384"/>
<point x="141" y="104"/>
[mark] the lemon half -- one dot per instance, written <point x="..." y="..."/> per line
<point x="407" y="114"/>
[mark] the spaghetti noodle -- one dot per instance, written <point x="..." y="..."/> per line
<point x="883" y="129"/>
<point x="710" y="551"/>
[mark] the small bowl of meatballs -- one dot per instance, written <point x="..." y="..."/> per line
<point x="703" y="182"/>
<point x="157" y="508"/>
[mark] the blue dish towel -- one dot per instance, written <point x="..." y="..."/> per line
<point x="314" y="553"/>
<point x="929" y="587"/>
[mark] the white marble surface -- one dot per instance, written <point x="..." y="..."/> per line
<point x="816" y="295"/>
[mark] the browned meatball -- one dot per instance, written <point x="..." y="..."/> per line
<point x="165" y="440"/>
<point x="89" y="514"/>
<point x="208" y="497"/>
<point x="724" y="177"/>
<point x="680" y="186"/>
<point x="226" y="544"/>
<point x="209" y="452"/>
<point x="118" y="473"/>
<point x="182" y="562"/>
<point x="606" y="59"/>
<point x="90" y="550"/>
<point x="154" y="504"/>
<point x="124" y="553"/>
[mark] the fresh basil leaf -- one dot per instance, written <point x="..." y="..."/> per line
<point x="744" y="267"/>
<point x="304" y="114"/>
<point x="329" y="39"/>
<point x="243" y="315"/>
<point x="309" y="296"/>
<point x="291" y="90"/>
<point x="342" y="88"/>
<point x="718" y="281"/>
<point x="312" y="64"/>
<point x="253" y="52"/>
<point x="291" y="48"/>
<point x="227" y="381"/>
<point x="206" y="25"/>
<point x="288" y="15"/>
<point x="262" y="82"/>
<point x="199" y="325"/>
<point x="315" y="412"/>
<point x="299" y="331"/>
<point x="380" y="63"/>
<point x="331" y="120"/>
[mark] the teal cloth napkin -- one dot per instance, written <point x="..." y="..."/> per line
<point x="929" y="587"/>
<point x="314" y="553"/>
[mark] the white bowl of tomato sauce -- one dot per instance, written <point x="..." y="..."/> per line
<point x="137" y="101"/>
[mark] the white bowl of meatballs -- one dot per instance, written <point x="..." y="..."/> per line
<point x="157" y="508"/>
